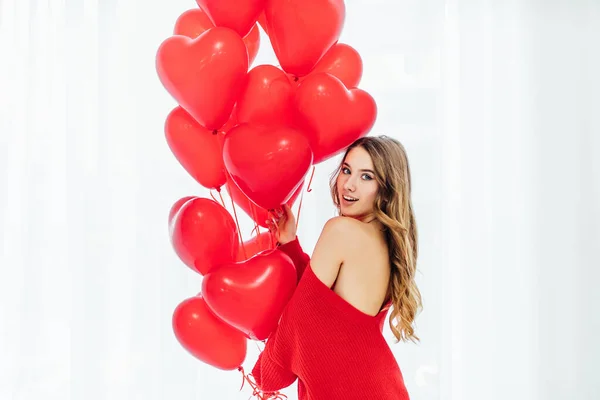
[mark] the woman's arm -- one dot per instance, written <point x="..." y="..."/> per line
<point x="270" y="376"/>
<point x="282" y="225"/>
<point x="333" y="244"/>
<point x="298" y="256"/>
<point x="332" y="248"/>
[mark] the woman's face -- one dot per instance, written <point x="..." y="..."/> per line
<point x="356" y="184"/>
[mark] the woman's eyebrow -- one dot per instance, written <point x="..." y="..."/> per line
<point x="365" y="170"/>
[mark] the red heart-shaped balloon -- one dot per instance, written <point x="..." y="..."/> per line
<point x="204" y="235"/>
<point x="261" y="242"/>
<point x="204" y="75"/>
<point x="341" y="61"/>
<point x="251" y="295"/>
<point x="268" y="164"/>
<point x="252" y="41"/>
<point x="192" y="23"/>
<point x="258" y="214"/>
<point x="238" y="15"/>
<point x="232" y="123"/>
<point x="332" y="115"/>
<point x="206" y="337"/>
<point x="301" y="31"/>
<point x="267" y="98"/>
<point x="197" y="149"/>
<point x="175" y="209"/>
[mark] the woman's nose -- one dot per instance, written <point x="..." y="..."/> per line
<point x="349" y="185"/>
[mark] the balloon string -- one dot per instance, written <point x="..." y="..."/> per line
<point x="241" y="369"/>
<point x="257" y="346"/>
<point x="254" y="217"/>
<point x="237" y="223"/>
<point x="308" y="190"/>
<point x="272" y="236"/>
<point x="299" y="208"/>
<point x="310" y="181"/>
<point x="256" y="390"/>
<point x="255" y="229"/>
<point x="214" y="198"/>
<point x="221" y="197"/>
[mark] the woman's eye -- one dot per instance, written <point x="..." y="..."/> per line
<point x="345" y="170"/>
<point x="367" y="177"/>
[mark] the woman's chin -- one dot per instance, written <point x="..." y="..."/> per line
<point x="347" y="213"/>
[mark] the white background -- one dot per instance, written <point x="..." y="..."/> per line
<point x="496" y="102"/>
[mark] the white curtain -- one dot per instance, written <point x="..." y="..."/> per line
<point x="496" y="102"/>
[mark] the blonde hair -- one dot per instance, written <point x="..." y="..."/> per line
<point x="393" y="208"/>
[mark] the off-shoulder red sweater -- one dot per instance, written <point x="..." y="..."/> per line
<point x="335" y="350"/>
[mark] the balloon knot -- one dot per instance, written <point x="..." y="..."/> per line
<point x="215" y="132"/>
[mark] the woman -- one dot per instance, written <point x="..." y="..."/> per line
<point x="329" y="336"/>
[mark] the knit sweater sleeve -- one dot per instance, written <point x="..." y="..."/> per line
<point x="298" y="256"/>
<point x="269" y="375"/>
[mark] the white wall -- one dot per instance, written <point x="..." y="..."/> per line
<point x="496" y="102"/>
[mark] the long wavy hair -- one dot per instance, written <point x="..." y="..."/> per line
<point x="393" y="208"/>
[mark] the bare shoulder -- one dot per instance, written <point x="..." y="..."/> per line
<point x="342" y="224"/>
<point x="363" y="277"/>
<point x="338" y="237"/>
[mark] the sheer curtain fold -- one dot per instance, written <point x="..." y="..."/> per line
<point x="496" y="103"/>
<point x="489" y="164"/>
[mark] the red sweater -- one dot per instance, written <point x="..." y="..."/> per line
<point x="335" y="350"/>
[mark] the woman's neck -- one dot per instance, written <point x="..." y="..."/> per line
<point x="372" y="220"/>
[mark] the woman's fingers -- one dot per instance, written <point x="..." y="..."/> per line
<point x="288" y="211"/>
<point x="270" y="224"/>
<point x="273" y="224"/>
<point x="278" y="216"/>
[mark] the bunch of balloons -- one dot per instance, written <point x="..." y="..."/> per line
<point x="257" y="132"/>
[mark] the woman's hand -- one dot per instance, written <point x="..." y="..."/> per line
<point x="282" y="224"/>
